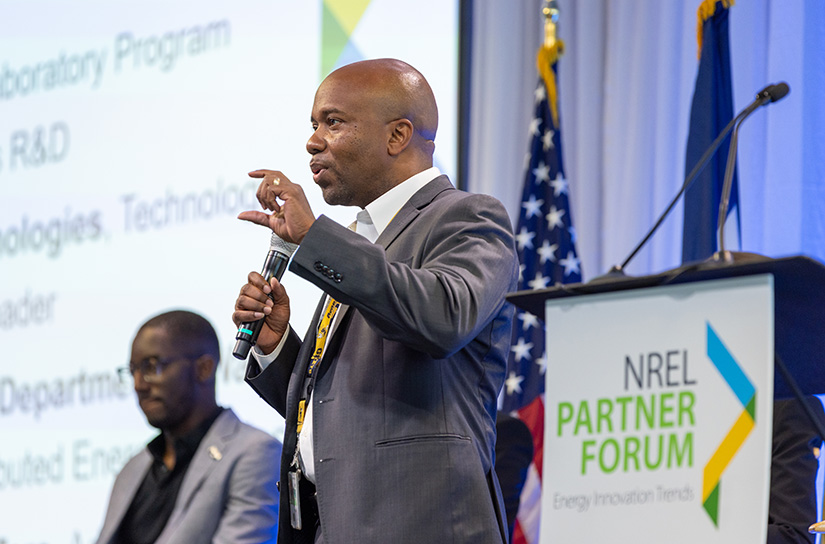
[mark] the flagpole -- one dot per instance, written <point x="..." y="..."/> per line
<point x="547" y="256"/>
<point x="549" y="54"/>
<point x="550" y="10"/>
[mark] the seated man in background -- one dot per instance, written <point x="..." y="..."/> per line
<point x="207" y="477"/>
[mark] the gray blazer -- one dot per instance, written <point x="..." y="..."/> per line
<point x="405" y="399"/>
<point x="228" y="494"/>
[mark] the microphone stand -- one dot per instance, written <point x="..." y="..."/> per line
<point x="618" y="270"/>
<point x="771" y="93"/>
<point x="723" y="255"/>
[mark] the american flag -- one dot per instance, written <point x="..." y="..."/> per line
<point x="547" y="253"/>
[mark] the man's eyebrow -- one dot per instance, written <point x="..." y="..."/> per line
<point x="326" y="113"/>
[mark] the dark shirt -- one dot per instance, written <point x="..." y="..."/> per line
<point x="155" y="498"/>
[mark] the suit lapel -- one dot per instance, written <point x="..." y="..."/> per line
<point x="130" y="481"/>
<point x="294" y="391"/>
<point x="412" y="208"/>
<point x="404" y="217"/>
<point x="207" y="458"/>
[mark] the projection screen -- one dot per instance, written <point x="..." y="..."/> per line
<point x="126" y="133"/>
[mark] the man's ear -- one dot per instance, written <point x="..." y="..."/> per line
<point x="400" y="136"/>
<point x="205" y="367"/>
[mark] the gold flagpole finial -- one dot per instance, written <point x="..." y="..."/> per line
<point x="550" y="10"/>
<point x="549" y="53"/>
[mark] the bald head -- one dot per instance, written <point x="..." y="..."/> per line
<point x="397" y="90"/>
<point x="373" y="126"/>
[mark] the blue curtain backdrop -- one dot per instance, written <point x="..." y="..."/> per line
<point x="626" y="84"/>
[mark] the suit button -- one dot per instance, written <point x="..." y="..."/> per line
<point x="318" y="266"/>
<point x="338" y="277"/>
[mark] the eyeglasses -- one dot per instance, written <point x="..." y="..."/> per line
<point x="150" y="368"/>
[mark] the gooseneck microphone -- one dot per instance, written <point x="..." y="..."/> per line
<point x="769" y="94"/>
<point x="274" y="267"/>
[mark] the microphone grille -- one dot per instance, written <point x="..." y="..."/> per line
<point x="778" y="91"/>
<point x="279" y="245"/>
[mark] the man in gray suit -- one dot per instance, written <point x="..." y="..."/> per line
<point x="207" y="477"/>
<point x="390" y="400"/>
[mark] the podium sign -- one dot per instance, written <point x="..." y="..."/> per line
<point x="658" y="414"/>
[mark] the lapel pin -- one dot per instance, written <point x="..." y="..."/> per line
<point x="215" y="453"/>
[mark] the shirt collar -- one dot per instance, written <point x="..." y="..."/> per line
<point x="384" y="208"/>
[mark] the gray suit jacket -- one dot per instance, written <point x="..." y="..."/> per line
<point x="227" y="498"/>
<point x="405" y="399"/>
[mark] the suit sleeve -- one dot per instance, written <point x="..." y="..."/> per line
<point x="251" y="512"/>
<point x="448" y="277"/>
<point x="271" y="384"/>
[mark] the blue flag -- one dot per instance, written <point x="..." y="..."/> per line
<point x="710" y="112"/>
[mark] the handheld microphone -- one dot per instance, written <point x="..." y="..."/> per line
<point x="769" y="94"/>
<point x="274" y="267"/>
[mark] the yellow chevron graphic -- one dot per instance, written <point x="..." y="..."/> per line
<point x="347" y="12"/>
